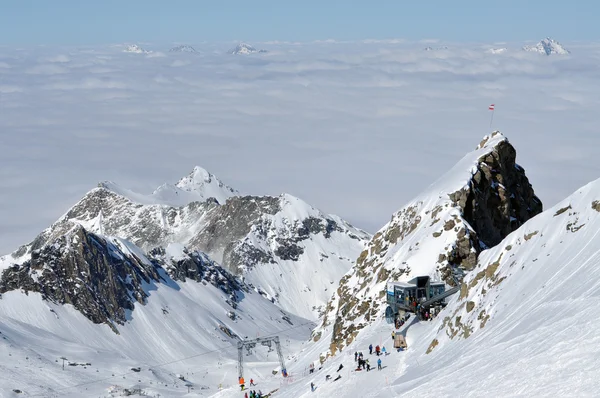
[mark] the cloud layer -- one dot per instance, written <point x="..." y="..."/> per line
<point x="354" y="128"/>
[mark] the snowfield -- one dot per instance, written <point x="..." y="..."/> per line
<point x="181" y="330"/>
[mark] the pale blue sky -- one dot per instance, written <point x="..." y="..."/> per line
<point x="109" y="21"/>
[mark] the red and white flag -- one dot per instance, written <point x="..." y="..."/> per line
<point x="491" y="107"/>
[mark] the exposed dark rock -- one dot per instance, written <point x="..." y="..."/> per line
<point x="499" y="198"/>
<point x="288" y="250"/>
<point x="102" y="281"/>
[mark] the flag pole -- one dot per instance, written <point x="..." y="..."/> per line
<point x="492" y="118"/>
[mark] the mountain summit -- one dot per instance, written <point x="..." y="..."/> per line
<point x="244" y="49"/>
<point x="440" y="233"/>
<point x="548" y="46"/>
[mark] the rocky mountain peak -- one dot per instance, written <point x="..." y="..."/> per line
<point x="548" y="46"/>
<point x="270" y="241"/>
<point x="205" y="183"/>
<point x="440" y="233"/>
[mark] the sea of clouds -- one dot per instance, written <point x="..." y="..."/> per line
<point x="354" y="128"/>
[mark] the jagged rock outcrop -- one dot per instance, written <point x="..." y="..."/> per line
<point x="440" y="233"/>
<point x="103" y="277"/>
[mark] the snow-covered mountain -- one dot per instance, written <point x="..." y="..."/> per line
<point x="440" y="233"/>
<point x="183" y="49"/>
<point x="134" y="48"/>
<point x="244" y="49"/>
<point x="121" y="271"/>
<point x="293" y="253"/>
<point x="547" y="46"/>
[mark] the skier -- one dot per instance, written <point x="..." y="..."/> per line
<point x="242" y="383"/>
<point x="383" y="351"/>
<point x="311" y="367"/>
<point x="341" y="367"/>
<point x="379" y="364"/>
<point x="370" y="349"/>
<point x="377" y="350"/>
<point x="312" y="386"/>
<point x="368" y="365"/>
<point x="394" y="333"/>
<point x="355" y="356"/>
<point x="245" y="395"/>
<point x="252" y="382"/>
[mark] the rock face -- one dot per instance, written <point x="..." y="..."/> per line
<point x="500" y="198"/>
<point x="103" y="277"/>
<point x="440" y="233"/>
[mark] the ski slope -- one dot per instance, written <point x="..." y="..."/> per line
<point x="180" y="330"/>
<point x="541" y="337"/>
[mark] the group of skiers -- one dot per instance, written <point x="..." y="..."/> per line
<point x="364" y="363"/>
<point x="254" y="394"/>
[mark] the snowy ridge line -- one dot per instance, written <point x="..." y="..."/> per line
<point x="171" y="362"/>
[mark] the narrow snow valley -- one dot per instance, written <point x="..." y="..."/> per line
<point x="131" y="294"/>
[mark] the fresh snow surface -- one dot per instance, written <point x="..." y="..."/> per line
<point x="198" y="186"/>
<point x="547" y="46"/>
<point x="176" y="332"/>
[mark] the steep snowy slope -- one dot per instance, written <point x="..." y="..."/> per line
<point x="525" y="323"/>
<point x="483" y="198"/>
<point x="183" y="329"/>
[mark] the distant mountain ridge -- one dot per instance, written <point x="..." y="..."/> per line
<point x="245" y="49"/>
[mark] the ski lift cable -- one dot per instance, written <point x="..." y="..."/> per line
<point x="160" y="365"/>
